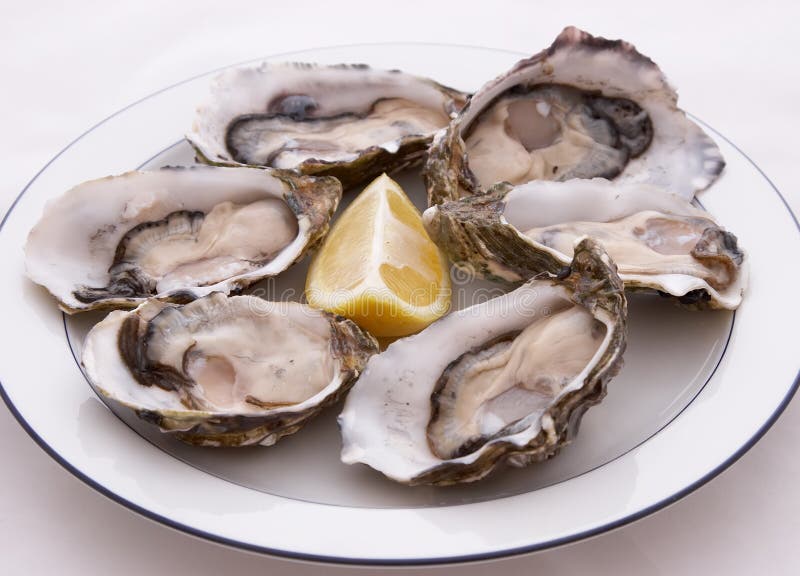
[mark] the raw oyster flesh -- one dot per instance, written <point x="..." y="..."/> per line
<point x="175" y="233"/>
<point x="505" y="381"/>
<point x="659" y="240"/>
<point x="349" y="121"/>
<point x="585" y="107"/>
<point x="225" y="371"/>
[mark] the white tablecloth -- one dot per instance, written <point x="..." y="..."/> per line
<point x="67" y="65"/>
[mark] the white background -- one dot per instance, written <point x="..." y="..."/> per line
<point x="66" y="66"/>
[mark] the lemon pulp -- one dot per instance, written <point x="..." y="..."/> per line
<point x="379" y="267"/>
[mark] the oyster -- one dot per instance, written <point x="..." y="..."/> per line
<point x="659" y="240"/>
<point x="584" y="107"/>
<point x="175" y="234"/>
<point x="504" y="381"/>
<point x="348" y="121"/>
<point x="225" y="371"/>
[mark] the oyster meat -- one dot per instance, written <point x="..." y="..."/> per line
<point x="585" y="107"/>
<point x="175" y="234"/>
<point x="225" y="371"/>
<point x="659" y="240"/>
<point x="348" y="121"/>
<point x="505" y="381"/>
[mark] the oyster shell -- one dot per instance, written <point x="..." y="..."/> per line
<point x="659" y="240"/>
<point x="225" y="371"/>
<point x="175" y="234"/>
<point x="348" y="121"/>
<point x="505" y="381"/>
<point x="584" y="107"/>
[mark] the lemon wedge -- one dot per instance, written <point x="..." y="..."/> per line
<point x="379" y="267"/>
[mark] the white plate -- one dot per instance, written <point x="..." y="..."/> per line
<point x="697" y="391"/>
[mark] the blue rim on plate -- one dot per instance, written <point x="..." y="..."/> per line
<point x="516" y="551"/>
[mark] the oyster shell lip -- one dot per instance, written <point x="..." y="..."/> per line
<point x="222" y="106"/>
<point x="62" y="255"/>
<point x="681" y="156"/>
<point x="108" y="375"/>
<point x="362" y="167"/>
<point x="397" y="446"/>
<point x="476" y="234"/>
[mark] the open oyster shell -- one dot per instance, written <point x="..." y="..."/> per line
<point x="175" y="234"/>
<point x="504" y="381"/>
<point x="348" y="121"/>
<point x="584" y="107"/>
<point x="659" y="240"/>
<point x="225" y="371"/>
